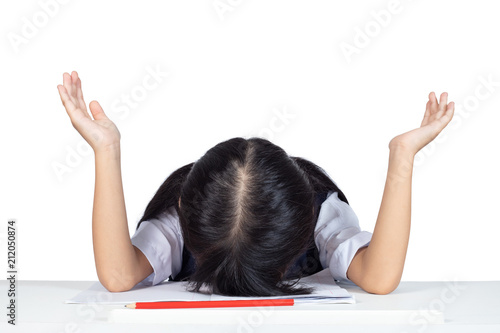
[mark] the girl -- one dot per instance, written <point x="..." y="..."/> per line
<point x="246" y="218"/>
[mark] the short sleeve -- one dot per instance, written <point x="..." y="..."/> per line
<point x="160" y="239"/>
<point x="338" y="236"/>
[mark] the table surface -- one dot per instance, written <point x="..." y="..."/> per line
<point x="467" y="306"/>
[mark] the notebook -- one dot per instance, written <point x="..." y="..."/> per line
<point x="325" y="291"/>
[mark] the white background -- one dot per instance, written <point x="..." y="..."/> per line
<point x="229" y="74"/>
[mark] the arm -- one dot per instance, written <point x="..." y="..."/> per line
<point x="119" y="265"/>
<point x="378" y="267"/>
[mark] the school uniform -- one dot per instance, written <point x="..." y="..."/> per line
<point x="337" y="238"/>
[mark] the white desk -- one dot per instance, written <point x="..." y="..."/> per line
<point x="466" y="307"/>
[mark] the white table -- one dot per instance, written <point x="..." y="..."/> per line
<point x="413" y="307"/>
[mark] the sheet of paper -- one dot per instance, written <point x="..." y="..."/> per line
<point x="326" y="291"/>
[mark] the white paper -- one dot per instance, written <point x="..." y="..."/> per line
<point x="326" y="291"/>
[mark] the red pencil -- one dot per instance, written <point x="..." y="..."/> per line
<point x="210" y="304"/>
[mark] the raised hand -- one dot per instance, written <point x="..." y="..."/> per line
<point x="100" y="132"/>
<point x="436" y="117"/>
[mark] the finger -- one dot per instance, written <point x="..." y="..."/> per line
<point x="70" y="96"/>
<point x="74" y="90"/>
<point x="450" y="110"/>
<point x="447" y="116"/>
<point x="443" y="101"/>
<point x="67" y="83"/>
<point x="79" y="93"/>
<point x="427" y="113"/>
<point x="74" y="113"/>
<point x="427" y="109"/>
<point x="433" y="102"/>
<point x="97" y="111"/>
<point x="68" y="104"/>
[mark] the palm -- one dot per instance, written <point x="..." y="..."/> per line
<point x="99" y="132"/>
<point x="436" y="117"/>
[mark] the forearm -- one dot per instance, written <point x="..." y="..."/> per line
<point x="114" y="254"/>
<point x="384" y="258"/>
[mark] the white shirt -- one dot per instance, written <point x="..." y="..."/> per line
<point x="337" y="236"/>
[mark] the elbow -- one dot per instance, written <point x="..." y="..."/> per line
<point x="381" y="290"/>
<point x="380" y="287"/>
<point x="116" y="285"/>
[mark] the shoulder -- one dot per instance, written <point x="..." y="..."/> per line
<point x="338" y="235"/>
<point x="334" y="209"/>
<point x="166" y="222"/>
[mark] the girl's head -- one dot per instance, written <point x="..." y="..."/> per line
<point x="247" y="212"/>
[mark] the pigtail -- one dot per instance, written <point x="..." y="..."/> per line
<point x="167" y="195"/>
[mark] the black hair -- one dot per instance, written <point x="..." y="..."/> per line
<point x="246" y="213"/>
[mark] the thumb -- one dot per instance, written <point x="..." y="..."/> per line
<point x="97" y="111"/>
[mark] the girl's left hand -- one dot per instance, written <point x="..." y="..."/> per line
<point x="436" y="117"/>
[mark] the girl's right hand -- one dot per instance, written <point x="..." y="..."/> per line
<point x="100" y="133"/>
